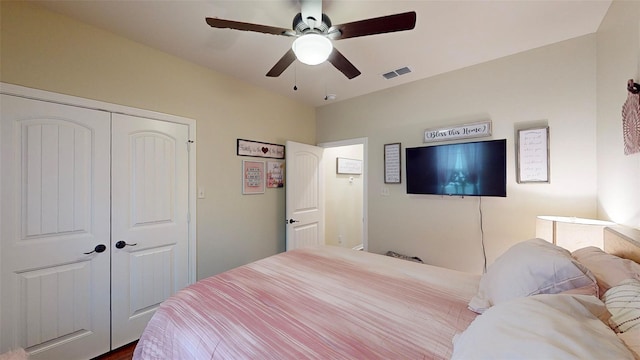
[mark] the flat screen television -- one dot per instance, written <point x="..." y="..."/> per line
<point x="465" y="169"/>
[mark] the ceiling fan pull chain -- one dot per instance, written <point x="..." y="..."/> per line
<point x="295" y="77"/>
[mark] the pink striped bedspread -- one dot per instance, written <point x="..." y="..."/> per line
<point x="316" y="303"/>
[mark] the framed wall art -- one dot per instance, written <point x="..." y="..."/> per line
<point x="348" y="166"/>
<point x="275" y="174"/>
<point x="259" y="149"/>
<point x="533" y="155"/>
<point x="253" y="177"/>
<point x="392" y="163"/>
<point x="466" y="131"/>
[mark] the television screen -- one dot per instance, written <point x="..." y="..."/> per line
<point x="468" y="169"/>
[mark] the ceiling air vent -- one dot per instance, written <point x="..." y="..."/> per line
<point x="396" y="73"/>
<point x="390" y="75"/>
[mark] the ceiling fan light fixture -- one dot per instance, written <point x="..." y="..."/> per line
<point x="312" y="49"/>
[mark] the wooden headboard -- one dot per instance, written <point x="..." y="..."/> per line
<point x="623" y="242"/>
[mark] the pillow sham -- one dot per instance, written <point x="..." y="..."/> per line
<point x="623" y="302"/>
<point x="531" y="267"/>
<point x="609" y="270"/>
<point x="545" y="326"/>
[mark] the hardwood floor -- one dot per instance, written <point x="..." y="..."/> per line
<point x="122" y="353"/>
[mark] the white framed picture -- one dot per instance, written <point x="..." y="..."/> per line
<point x="533" y="155"/>
<point x="392" y="163"/>
<point x="348" y="166"/>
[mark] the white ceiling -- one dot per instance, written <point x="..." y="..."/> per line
<point x="449" y="35"/>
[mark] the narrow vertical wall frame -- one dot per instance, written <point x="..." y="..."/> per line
<point x="533" y="155"/>
<point x="392" y="163"/>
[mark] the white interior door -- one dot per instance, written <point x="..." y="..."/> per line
<point x="305" y="195"/>
<point x="150" y="215"/>
<point x="54" y="291"/>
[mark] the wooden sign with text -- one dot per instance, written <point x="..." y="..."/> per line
<point x="478" y="129"/>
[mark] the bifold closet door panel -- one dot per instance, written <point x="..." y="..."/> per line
<point x="150" y="188"/>
<point x="55" y="229"/>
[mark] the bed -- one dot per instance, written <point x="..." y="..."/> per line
<point x="335" y="303"/>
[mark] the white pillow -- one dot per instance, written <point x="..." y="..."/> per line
<point x="545" y="326"/>
<point x="528" y="268"/>
<point x="623" y="302"/>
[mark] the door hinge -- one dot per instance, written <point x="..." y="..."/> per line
<point x="189" y="142"/>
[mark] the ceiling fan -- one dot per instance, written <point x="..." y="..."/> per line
<point x="314" y="32"/>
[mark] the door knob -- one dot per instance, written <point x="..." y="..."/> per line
<point x="291" y="221"/>
<point x="99" y="248"/>
<point x="120" y="244"/>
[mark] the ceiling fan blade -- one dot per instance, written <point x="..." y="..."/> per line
<point x="282" y="64"/>
<point x="341" y="63"/>
<point x="379" y="25"/>
<point x="238" y="25"/>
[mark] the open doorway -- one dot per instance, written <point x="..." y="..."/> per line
<point x="345" y="195"/>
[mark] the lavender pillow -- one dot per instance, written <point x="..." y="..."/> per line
<point x="528" y="268"/>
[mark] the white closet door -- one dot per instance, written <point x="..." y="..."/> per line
<point x="150" y="209"/>
<point x="54" y="298"/>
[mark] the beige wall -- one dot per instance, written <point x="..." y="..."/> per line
<point x="618" y="60"/>
<point x="44" y="50"/>
<point x="343" y="199"/>
<point x="553" y="85"/>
